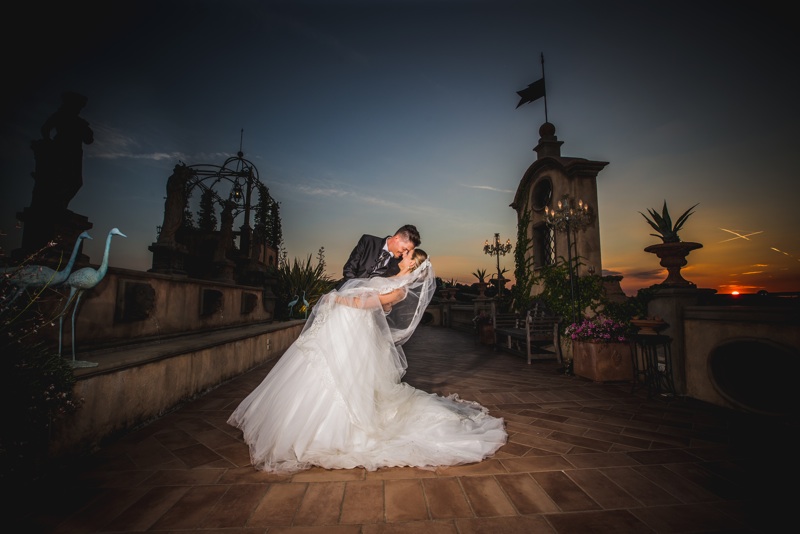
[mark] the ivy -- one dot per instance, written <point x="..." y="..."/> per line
<point x="524" y="264"/>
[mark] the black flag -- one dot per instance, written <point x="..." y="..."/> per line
<point x="534" y="91"/>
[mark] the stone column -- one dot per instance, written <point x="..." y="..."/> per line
<point x="668" y="303"/>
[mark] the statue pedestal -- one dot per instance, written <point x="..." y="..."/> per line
<point x="168" y="258"/>
<point x="42" y="226"/>
<point x="224" y="271"/>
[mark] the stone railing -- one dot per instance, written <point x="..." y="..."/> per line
<point x="128" y="305"/>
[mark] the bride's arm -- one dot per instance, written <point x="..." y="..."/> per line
<point x="386" y="300"/>
<point x="392" y="297"/>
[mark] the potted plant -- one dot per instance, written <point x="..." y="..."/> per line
<point x="600" y="349"/>
<point x="480" y="274"/>
<point x="449" y="289"/>
<point x="671" y="251"/>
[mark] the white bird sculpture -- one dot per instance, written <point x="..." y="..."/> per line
<point x="305" y="306"/>
<point x="78" y="282"/>
<point x="39" y="275"/>
<point x="292" y="304"/>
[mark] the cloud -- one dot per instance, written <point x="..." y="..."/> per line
<point x="487" y="188"/>
<point x="345" y="194"/>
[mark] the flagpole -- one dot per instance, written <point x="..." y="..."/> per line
<point x="545" y="93"/>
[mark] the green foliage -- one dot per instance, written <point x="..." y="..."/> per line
<point x="524" y="265"/>
<point x="590" y="295"/>
<point x="557" y="294"/>
<point x="207" y="218"/>
<point x="267" y="218"/>
<point x="36" y="384"/>
<point x="662" y="223"/>
<point x="299" y="278"/>
<point x="480" y="274"/>
<point x="630" y="308"/>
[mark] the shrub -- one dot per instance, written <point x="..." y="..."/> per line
<point x="36" y="384"/>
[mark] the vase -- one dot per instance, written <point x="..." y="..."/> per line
<point x="673" y="257"/>
<point x="482" y="289"/>
<point x="649" y="327"/>
<point x="602" y="362"/>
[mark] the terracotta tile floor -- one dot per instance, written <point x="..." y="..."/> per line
<point x="581" y="457"/>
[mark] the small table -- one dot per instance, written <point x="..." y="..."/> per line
<point x="652" y="363"/>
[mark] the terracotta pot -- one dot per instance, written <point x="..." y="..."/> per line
<point x="602" y="362"/>
<point x="673" y="257"/>
<point x="486" y="334"/>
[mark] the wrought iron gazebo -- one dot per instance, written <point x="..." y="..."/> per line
<point x="248" y="236"/>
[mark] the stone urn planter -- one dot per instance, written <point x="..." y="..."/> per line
<point x="602" y="362"/>
<point x="649" y="327"/>
<point x="482" y="289"/>
<point x="449" y="293"/>
<point x="673" y="257"/>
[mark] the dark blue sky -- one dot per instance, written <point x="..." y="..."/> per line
<point x="362" y="116"/>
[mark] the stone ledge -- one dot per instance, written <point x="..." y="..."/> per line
<point x="113" y="357"/>
<point x="141" y="381"/>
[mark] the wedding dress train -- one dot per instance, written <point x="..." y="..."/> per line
<point x="335" y="399"/>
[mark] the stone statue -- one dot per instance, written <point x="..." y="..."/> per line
<point x="59" y="160"/>
<point x="175" y="204"/>
<point x="257" y="245"/>
<point x="225" y="232"/>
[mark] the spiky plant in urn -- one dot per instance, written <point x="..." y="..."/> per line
<point x="671" y="251"/>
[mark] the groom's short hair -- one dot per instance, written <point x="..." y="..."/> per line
<point x="409" y="233"/>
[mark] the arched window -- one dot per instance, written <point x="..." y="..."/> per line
<point x="543" y="245"/>
<point x="542" y="234"/>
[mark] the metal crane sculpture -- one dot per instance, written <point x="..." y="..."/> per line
<point x="305" y="306"/>
<point x="21" y="278"/>
<point x="78" y="282"/>
<point x="292" y="305"/>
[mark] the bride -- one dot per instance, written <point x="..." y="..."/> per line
<point x="335" y="399"/>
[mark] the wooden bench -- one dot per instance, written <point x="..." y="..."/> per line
<point x="536" y="337"/>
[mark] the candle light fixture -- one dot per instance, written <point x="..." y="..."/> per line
<point x="570" y="217"/>
<point x="496" y="248"/>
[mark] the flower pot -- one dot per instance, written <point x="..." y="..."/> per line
<point x="650" y="327"/>
<point x="673" y="257"/>
<point x="485" y="334"/>
<point x="482" y="289"/>
<point x="602" y="362"/>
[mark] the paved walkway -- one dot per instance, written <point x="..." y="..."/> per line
<point x="581" y="457"/>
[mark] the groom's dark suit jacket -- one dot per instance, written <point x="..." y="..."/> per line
<point x="361" y="263"/>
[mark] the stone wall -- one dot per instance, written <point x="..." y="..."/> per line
<point x="135" y="384"/>
<point x="130" y="305"/>
<point x="743" y="357"/>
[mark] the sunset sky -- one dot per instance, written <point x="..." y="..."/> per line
<point x="362" y="116"/>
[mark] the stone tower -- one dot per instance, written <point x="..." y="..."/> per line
<point x="548" y="180"/>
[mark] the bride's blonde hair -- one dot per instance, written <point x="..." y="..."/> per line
<point x="418" y="256"/>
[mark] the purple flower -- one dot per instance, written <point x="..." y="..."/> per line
<point x="598" y="329"/>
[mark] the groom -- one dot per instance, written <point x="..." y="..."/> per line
<point x="379" y="256"/>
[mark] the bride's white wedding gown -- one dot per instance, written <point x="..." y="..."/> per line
<point x="335" y="400"/>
